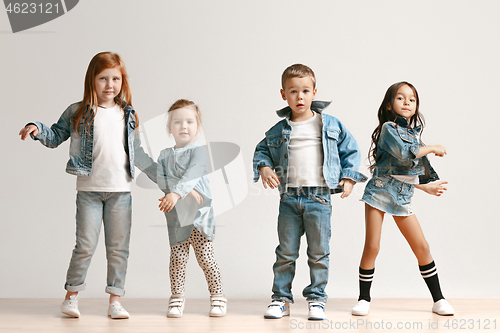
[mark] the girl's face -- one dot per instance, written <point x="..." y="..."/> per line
<point x="108" y="85"/>
<point x="405" y="102"/>
<point x="184" y="126"/>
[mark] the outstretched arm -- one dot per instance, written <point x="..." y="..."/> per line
<point x="437" y="150"/>
<point x="29" y="129"/>
<point x="433" y="188"/>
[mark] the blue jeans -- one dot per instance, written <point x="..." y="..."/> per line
<point x="303" y="210"/>
<point x="114" y="210"/>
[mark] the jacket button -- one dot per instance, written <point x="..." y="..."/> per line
<point x="284" y="171"/>
<point x="286" y="156"/>
<point x="285" y="140"/>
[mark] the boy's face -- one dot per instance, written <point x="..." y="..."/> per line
<point x="299" y="92"/>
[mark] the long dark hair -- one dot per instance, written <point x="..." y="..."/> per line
<point x="386" y="113"/>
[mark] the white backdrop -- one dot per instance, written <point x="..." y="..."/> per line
<point x="228" y="57"/>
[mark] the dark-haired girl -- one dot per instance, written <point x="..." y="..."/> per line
<point x="399" y="165"/>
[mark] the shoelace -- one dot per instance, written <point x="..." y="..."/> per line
<point x="73" y="303"/>
<point x="317" y="304"/>
<point x="277" y="303"/>
<point x="117" y="308"/>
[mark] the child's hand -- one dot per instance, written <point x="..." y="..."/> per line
<point x="168" y="202"/>
<point x="269" y="177"/>
<point x="25" y="131"/>
<point x="197" y="196"/>
<point x="348" y="185"/>
<point x="434" y="188"/>
<point x="439" y="150"/>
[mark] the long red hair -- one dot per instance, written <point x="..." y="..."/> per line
<point x="88" y="106"/>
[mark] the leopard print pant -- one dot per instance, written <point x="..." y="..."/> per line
<point x="204" y="251"/>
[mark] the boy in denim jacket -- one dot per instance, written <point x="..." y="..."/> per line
<point x="307" y="156"/>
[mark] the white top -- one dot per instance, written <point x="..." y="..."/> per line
<point x="409" y="179"/>
<point x="110" y="163"/>
<point x="305" y="160"/>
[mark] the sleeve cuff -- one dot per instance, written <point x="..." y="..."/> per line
<point x="256" y="170"/>
<point x="354" y="175"/>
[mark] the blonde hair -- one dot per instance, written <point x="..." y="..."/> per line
<point x="100" y="62"/>
<point x="179" y="104"/>
<point x="297" y="70"/>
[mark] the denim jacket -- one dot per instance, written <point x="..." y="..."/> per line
<point x="81" y="146"/>
<point x="182" y="170"/>
<point x="398" y="146"/>
<point x="341" y="152"/>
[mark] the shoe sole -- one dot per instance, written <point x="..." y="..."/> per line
<point x="216" y="314"/>
<point x="355" y="313"/>
<point x="71" y="314"/>
<point x="174" y="315"/>
<point x="120" y="317"/>
<point x="443" y="314"/>
<point x="315" y="318"/>
<point x="274" y="317"/>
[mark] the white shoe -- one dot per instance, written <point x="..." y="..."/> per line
<point x="218" y="306"/>
<point x="443" y="308"/>
<point x="277" y="309"/>
<point x="116" y="311"/>
<point x="316" y="311"/>
<point x="175" y="306"/>
<point x="361" y="308"/>
<point x="70" y="306"/>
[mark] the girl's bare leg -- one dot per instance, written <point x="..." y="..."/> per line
<point x="373" y="227"/>
<point x="411" y="230"/>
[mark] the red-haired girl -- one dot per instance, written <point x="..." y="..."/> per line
<point x="102" y="128"/>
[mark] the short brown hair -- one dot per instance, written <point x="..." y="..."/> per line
<point x="179" y="104"/>
<point x="297" y="70"/>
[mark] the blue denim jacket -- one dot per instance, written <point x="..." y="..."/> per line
<point x="398" y="146"/>
<point x="182" y="170"/>
<point x="341" y="152"/>
<point x="81" y="147"/>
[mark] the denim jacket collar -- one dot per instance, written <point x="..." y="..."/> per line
<point x="316" y="106"/>
<point x="403" y="122"/>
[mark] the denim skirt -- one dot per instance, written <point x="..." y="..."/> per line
<point x="389" y="195"/>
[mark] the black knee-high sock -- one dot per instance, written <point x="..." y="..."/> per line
<point x="429" y="273"/>
<point x="365" y="283"/>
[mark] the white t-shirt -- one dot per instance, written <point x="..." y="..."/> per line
<point x="409" y="179"/>
<point x="305" y="160"/>
<point x="110" y="162"/>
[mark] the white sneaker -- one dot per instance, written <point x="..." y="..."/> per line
<point x="116" y="311"/>
<point x="70" y="306"/>
<point x="277" y="309"/>
<point x="218" y="306"/>
<point x="361" y="308"/>
<point x="175" y="306"/>
<point x="443" y="308"/>
<point x="316" y="311"/>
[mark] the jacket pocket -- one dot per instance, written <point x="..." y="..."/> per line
<point x="404" y="135"/>
<point x="333" y="134"/>
<point x="274" y="141"/>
